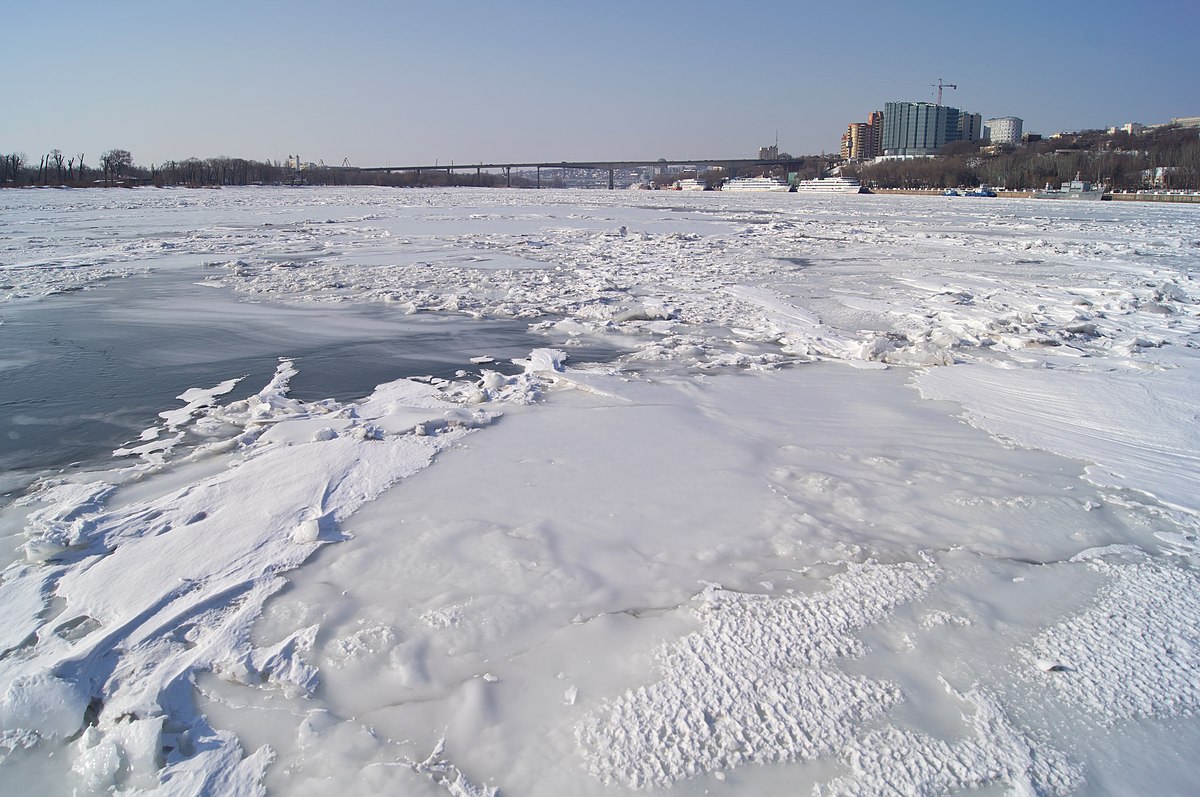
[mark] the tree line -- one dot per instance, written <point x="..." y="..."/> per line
<point x="1121" y="161"/>
<point x="115" y="167"/>
<point x="56" y="168"/>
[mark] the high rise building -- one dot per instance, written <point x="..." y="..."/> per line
<point x="918" y="128"/>
<point x="851" y="140"/>
<point x="861" y="139"/>
<point x="874" y="146"/>
<point x="1003" y="130"/>
<point x="970" y="126"/>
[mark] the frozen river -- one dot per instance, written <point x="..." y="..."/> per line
<point x="471" y="492"/>
<point x="86" y="371"/>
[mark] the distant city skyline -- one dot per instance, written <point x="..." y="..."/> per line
<point x="399" y="83"/>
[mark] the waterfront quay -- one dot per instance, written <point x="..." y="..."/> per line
<point x="1120" y="196"/>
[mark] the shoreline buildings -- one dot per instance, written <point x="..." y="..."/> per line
<point x="911" y="130"/>
<point x="1004" y="130"/>
<point x="918" y="129"/>
<point x="863" y="140"/>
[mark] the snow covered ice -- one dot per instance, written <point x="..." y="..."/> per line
<point x="788" y="495"/>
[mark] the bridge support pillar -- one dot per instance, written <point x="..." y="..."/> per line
<point x="508" y="177"/>
<point x="610" y="179"/>
<point x="539" y="177"/>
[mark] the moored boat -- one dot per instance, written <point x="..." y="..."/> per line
<point x="830" y="185"/>
<point x="1076" y="189"/>
<point x="755" y="184"/>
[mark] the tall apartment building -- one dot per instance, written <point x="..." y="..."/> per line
<point x="875" y="142"/>
<point x="970" y="126"/>
<point x="1003" y="130"/>
<point x="922" y="128"/>
<point x="861" y="139"/>
<point x="852" y="139"/>
<point x="918" y="128"/>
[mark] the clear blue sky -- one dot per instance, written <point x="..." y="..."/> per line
<point x="401" y="82"/>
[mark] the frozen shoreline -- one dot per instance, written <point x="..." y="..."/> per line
<point x="534" y="607"/>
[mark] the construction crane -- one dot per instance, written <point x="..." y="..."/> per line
<point x="940" y="85"/>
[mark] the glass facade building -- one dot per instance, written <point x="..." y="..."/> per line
<point x="918" y="128"/>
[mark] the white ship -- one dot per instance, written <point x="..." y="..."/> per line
<point x="830" y="185"/>
<point x="691" y="184"/>
<point x="755" y="184"/>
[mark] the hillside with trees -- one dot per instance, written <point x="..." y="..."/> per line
<point x="1121" y="161"/>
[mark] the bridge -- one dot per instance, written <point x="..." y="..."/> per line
<point x="729" y="164"/>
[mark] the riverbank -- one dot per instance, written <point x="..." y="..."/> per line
<point x="1121" y="197"/>
<point x="1143" y="196"/>
<point x="940" y="191"/>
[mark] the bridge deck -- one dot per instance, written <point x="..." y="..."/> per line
<point x="598" y="164"/>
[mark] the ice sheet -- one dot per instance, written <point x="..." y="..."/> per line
<point x="726" y="563"/>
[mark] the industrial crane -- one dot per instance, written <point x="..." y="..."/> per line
<point x="939" y="86"/>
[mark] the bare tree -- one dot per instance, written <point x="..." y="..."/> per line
<point x="16" y="162"/>
<point x="57" y="156"/>
<point x="114" y="162"/>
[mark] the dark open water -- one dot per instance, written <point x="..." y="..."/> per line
<point x="84" y="373"/>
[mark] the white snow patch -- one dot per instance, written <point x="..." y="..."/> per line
<point x="1137" y="434"/>
<point x="161" y="589"/>
<point x="1134" y="654"/>
<point x="444" y="773"/>
<point x="754" y="685"/>
<point x="896" y="761"/>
